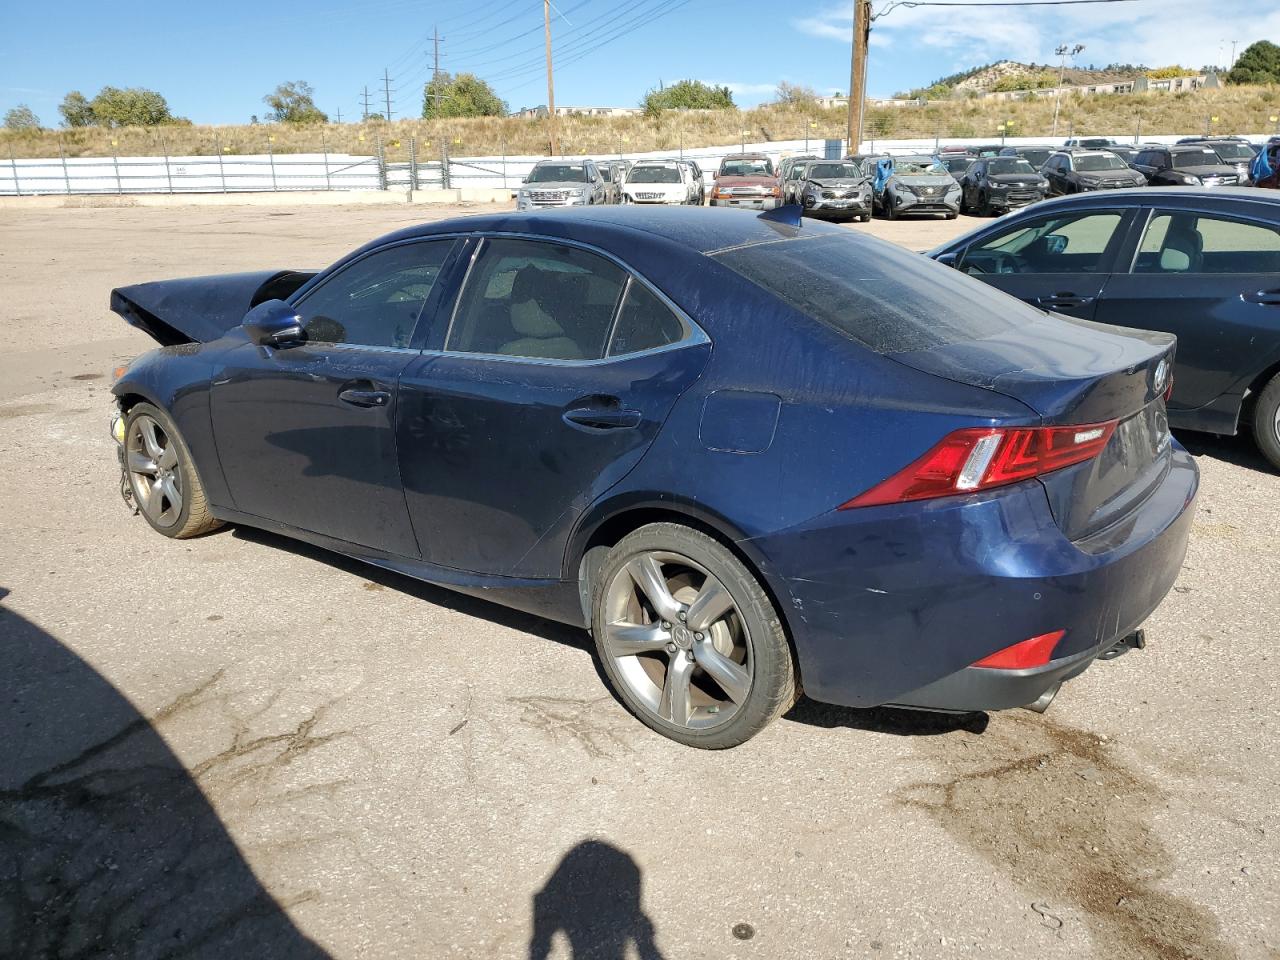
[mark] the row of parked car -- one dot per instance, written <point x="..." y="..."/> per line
<point x="560" y="183"/>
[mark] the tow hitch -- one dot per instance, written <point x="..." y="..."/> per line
<point x="1134" y="641"/>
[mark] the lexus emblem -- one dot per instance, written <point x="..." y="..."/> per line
<point x="1162" y="376"/>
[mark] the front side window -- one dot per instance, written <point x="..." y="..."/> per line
<point x="376" y="300"/>
<point x="1070" y="243"/>
<point x="1193" y="243"/>
<point x="536" y="299"/>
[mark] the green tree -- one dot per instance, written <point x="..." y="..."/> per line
<point x="1259" y="63"/>
<point x="465" y="95"/>
<point x="133" y="107"/>
<point x="294" y="102"/>
<point x="687" y="95"/>
<point x="21" y="117"/>
<point x="1168" y="73"/>
<point x="76" y="110"/>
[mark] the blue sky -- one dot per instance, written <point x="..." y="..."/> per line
<point x="214" y="63"/>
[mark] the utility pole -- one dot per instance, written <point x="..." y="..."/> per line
<point x="1233" y="54"/>
<point x="386" y="90"/>
<point x="435" y="70"/>
<point x="1063" y="51"/>
<point x="339" y="113"/>
<point x="365" y="99"/>
<point x="551" y="89"/>
<point x="858" y="71"/>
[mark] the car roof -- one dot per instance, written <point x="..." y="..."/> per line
<point x="1167" y="196"/>
<point x="701" y="229"/>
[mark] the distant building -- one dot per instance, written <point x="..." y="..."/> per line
<point x="1185" y="84"/>
<point x="533" y="113"/>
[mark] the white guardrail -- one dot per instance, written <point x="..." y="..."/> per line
<point x="333" y="171"/>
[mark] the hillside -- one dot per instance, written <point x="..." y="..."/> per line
<point x="985" y="78"/>
<point x="1238" y="109"/>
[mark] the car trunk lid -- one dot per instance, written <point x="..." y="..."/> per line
<point x="1076" y="372"/>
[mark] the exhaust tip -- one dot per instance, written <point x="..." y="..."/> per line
<point x="1041" y="704"/>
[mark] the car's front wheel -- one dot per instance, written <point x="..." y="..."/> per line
<point x="1266" y="421"/>
<point x="161" y="475"/>
<point x="689" y="639"/>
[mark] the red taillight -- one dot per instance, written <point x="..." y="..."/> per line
<point x="977" y="458"/>
<point x="1034" y="652"/>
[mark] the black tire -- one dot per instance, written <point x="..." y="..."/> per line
<point x="952" y="216"/>
<point x="1266" y="421"/>
<point x="891" y="209"/>
<point x="984" y="205"/>
<point x="774" y="686"/>
<point x="193" y="518"/>
<point x="864" y="218"/>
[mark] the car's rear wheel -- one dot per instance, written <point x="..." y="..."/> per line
<point x="1266" y="421"/>
<point x="161" y="475"/>
<point x="689" y="639"/>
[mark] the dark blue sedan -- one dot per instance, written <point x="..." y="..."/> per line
<point x="749" y="455"/>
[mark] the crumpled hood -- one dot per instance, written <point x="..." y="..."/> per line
<point x="201" y="309"/>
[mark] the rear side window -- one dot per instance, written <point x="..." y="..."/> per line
<point x="887" y="299"/>
<point x="1192" y="243"/>
<point x="644" y="322"/>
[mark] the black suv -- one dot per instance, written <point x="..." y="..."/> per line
<point x="1000" y="184"/>
<point x="1036" y="155"/>
<point x="1079" y="171"/>
<point x="1185" y="166"/>
<point x="1235" y="152"/>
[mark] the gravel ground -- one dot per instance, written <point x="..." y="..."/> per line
<point x="243" y="746"/>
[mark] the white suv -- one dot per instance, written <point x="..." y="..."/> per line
<point x="658" y="181"/>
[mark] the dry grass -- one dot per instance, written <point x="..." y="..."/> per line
<point x="1244" y="108"/>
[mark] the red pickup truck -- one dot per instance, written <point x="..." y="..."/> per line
<point x="747" y="180"/>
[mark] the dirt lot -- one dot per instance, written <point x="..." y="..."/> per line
<point x="241" y="746"/>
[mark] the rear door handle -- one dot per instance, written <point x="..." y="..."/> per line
<point x="603" y="418"/>
<point x="1064" y="300"/>
<point x="1268" y="298"/>
<point x="365" y="398"/>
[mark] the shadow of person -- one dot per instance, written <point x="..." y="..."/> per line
<point x="593" y="898"/>
<point x="108" y="847"/>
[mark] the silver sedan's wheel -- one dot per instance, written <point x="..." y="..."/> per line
<point x="152" y="459"/>
<point x="677" y="640"/>
<point x="689" y="638"/>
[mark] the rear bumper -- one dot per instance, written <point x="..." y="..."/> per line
<point x="893" y="604"/>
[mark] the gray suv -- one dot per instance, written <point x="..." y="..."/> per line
<point x="562" y="183"/>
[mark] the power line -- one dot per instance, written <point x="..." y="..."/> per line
<point x="386" y="89"/>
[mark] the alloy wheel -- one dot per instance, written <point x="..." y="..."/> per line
<point x="677" y="640"/>
<point x="152" y="461"/>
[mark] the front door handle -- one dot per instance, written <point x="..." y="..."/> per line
<point x="1064" y="299"/>
<point x="1268" y="298"/>
<point x="607" y="418"/>
<point x="365" y="398"/>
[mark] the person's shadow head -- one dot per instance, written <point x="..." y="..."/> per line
<point x="108" y="846"/>
<point x="593" y="898"/>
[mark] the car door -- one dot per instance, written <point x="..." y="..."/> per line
<point x="969" y="186"/>
<point x="1213" y="280"/>
<point x="555" y="374"/>
<point x="306" y="433"/>
<point x="1059" y="262"/>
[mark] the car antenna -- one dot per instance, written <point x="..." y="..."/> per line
<point x="792" y="215"/>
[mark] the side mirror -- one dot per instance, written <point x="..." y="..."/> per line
<point x="715" y="176"/>
<point x="273" y="324"/>
<point x="947" y="259"/>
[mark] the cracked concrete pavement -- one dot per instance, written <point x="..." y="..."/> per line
<point x="244" y="746"/>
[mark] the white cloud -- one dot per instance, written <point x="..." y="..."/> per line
<point x="743" y="88"/>
<point x="1182" y="31"/>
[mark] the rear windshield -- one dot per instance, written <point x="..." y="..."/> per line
<point x="1035" y="157"/>
<point x="654" y="175"/>
<point x="886" y="298"/>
